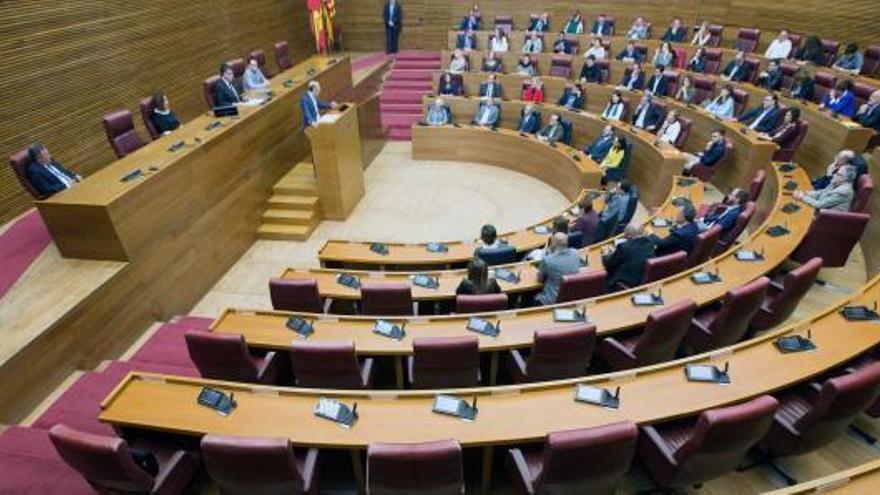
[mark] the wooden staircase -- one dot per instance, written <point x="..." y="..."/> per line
<point x="294" y="209"/>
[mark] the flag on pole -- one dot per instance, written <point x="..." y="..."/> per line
<point x="321" y="15"/>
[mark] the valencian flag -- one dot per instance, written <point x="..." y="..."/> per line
<point x="322" y="13"/>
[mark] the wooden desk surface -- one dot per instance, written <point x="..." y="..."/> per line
<point x="860" y="480"/>
<point x="610" y="313"/>
<point x="508" y="414"/>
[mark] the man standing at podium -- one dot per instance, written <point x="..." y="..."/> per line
<point x="311" y="105"/>
<point x="392" y="15"/>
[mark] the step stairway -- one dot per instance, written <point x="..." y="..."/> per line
<point x="294" y="210"/>
<point x="410" y="79"/>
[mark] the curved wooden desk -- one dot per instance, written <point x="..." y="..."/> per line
<point x="860" y="480"/>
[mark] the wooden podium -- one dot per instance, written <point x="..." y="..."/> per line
<point x="336" y="152"/>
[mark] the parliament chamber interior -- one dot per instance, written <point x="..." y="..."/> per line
<point x="421" y="247"/>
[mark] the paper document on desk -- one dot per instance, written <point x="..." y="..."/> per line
<point x="253" y="102"/>
<point x="329" y="118"/>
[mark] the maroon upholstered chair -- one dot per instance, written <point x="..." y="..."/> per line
<point x="715" y="33"/>
<point x="573" y="44"/>
<point x="862" y="92"/>
<point x="329" y="365"/>
<point x="705" y="173"/>
<point x="824" y="82"/>
<point x="864" y="189"/>
<point x="832" y="236"/>
<point x="871" y="64"/>
<point x="560" y="66"/>
<point x="740" y="100"/>
<point x="444" y="362"/>
<point x="237" y="65"/>
<point x="689" y="453"/>
<point x="259" y="465"/>
<point x="208" y="86"/>
<point x="383" y="299"/>
<point x="830" y="48"/>
<point x="604" y="70"/>
<point x="712" y="61"/>
<point x="19" y="162"/>
<point x="433" y="468"/>
<point x="757" y="185"/>
<point x="581" y="285"/>
<point x="558" y="353"/>
<point x="747" y="39"/>
<point x="504" y="22"/>
<point x="612" y="23"/>
<point x="260" y="56"/>
<point x="742" y="221"/>
<point x="282" y="56"/>
<point x="753" y="66"/>
<point x="704" y="246"/>
<point x="787" y="154"/>
<point x="789" y="68"/>
<point x="109" y="467"/>
<point x="680" y="60"/>
<point x="703" y="88"/>
<point x="685" y="132"/>
<point x="719" y="326"/>
<point x="480" y="303"/>
<point x="782" y="299"/>
<point x="808" y="419"/>
<point x="796" y="39"/>
<point x="671" y="77"/>
<point x="660" y="267"/>
<point x="225" y="356"/>
<point x="665" y="329"/>
<point x="590" y="460"/>
<point x="119" y="127"/>
<point x="297" y="295"/>
<point x="145" y="106"/>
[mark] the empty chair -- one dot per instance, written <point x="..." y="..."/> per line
<point x="862" y="91"/>
<point x="225" y="356"/>
<point x="242" y="465"/>
<point x="108" y="464"/>
<point x="864" y="189"/>
<point x="705" y="173"/>
<point x="260" y="56"/>
<point x="807" y="420"/>
<point x="497" y="256"/>
<point x="871" y="64"/>
<point x="680" y="59"/>
<point x="757" y="185"/>
<point x="740" y="100"/>
<point x="19" y="162"/>
<point x="386" y="299"/>
<point x="657" y="343"/>
<point x="685" y="132"/>
<point x="660" y="267"/>
<point x="715" y="33"/>
<point x="237" y="65"/>
<point x="832" y="236"/>
<point x="824" y="82"/>
<point x="560" y="66"/>
<point x="504" y="22"/>
<point x="581" y="285"/>
<point x="787" y="154"/>
<point x="704" y="246"/>
<point x="747" y="39"/>
<point x="742" y="221"/>
<point x="282" y="56"/>
<point x="590" y="460"/>
<point x="716" y="326"/>
<point x="208" y="86"/>
<point x="789" y="68"/>
<point x="444" y="362"/>
<point x="703" y="88"/>
<point x="781" y="300"/>
<point x="480" y="303"/>
<point x="604" y="70"/>
<point x="329" y="365"/>
<point x="558" y="353"/>
<point x="830" y="48"/>
<point x="712" y="61"/>
<point x="119" y="127"/>
<point x="145" y="106"/>
<point x="671" y="77"/>
<point x="433" y="468"/>
<point x="296" y="295"/>
<point x="688" y="452"/>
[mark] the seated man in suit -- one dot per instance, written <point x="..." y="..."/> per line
<point x="676" y="32"/>
<point x="844" y="158"/>
<point x="616" y="204"/>
<point x="633" y="80"/>
<point x="491" y="88"/>
<point x="466" y="41"/>
<point x="572" y="97"/>
<point x="562" y="45"/>
<point x="438" y="113"/>
<point x="726" y="214"/>
<point x="682" y="235"/>
<point x="601" y="26"/>
<point x="45" y="174"/>
<point x="626" y="264"/>
<point x="764" y="118"/>
<point x="529" y="120"/>
<point x="551" y="132"/>
<point x="225" y="92"/>
<point x="657" y="84"/>
<point x="311" y="105"/>
<point x="837" y="196"/>
<point x="590" y="71"/>
<point x="736" y="70"/>
<point x="647" y="115"/>
<point x="471" y="21"/>
<point x="487" y="114"/>
<point x="598" y="149"/>
<point x="869" y="113"/>
<point x="771" y="77"/>
<point x="629" y="54"/>
<point x="449" y="86"/>
<point x="559" y="260"/>
<point x="540" y="24"/>
<point x="711" y="154"/>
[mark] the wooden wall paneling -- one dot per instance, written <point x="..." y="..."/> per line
<point x="870" y="242"/>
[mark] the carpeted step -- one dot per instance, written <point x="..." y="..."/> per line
<point x="425" y="86"/>
<point x="410" y="75"/>
<point x="398" y="96"/>
<point x="417" y="55"/>
<point x="401" y="108"/>
<point x="399" y="134"/>
<point x="29" y="463"/>
<point x="392" y="120"/>
<point x="166" y="347"/>
<point x="417" y="64"/>
<point x="194" y="322"/>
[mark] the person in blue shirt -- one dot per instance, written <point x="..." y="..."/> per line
<point x="841" y="99"/>
<point x="438" y="113"/>
<point x="471" y="22"/>
<point x="598" y="149"/>
<point x="529" y="120"/>
<point x="311" y="105"/>
<point x="47" y="175"/>
<point x="682" y="235"/>
<point x="850" y="60"/>
<point x="253" y="78"/>
<point x="711" y="154"/>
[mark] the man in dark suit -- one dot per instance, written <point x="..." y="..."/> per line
<point x="676" y="32"/>
<point x="629" y="54"/>
<point x="682" y="235"/>
<point x="392" y="15"/>
<point x="869" y="113"/>
<point x="471" y="22"/>
<point x="657" y="84"/>
<point x="626" y="265"/>
<point x="491" y="88"/>
<point x="771" y="77"/>
<point x="225" y="93"/>
<point x="725" y="215"/>
<point x="590" y="71"/>
<point x="712" y="153"/>
<point x="540" y="24"/>
<point x="529" y="120"/>
<point x="45" y="174"/>
<point x="553" y="131"/>
<point x="598" y="149"/>
<point x="311" y="105"/>
<point x="488" y="114"/>
<point x="633" y="79"/>
<point x="764" y="118"/>
<point x="572" y="97"/>
<point x="647" y="115"/>
<point x="466" y="41"/>
<point x="601" y="26"/>
<point x="736" y="70"/>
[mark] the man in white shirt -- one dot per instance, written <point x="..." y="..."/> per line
<point x="779" y="48"/>
<point x="487" y="114"/>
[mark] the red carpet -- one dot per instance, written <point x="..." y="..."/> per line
<point x="368" y="61"/>
<point x="29" y="463"/>
<point x="19" y="247"/>
<point x="401" y="101"/>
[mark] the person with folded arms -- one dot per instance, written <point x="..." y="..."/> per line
<point x="499" y="42"/>
<point x="780" y="47"/>
<point x="525" y="67"/>
<point x="575" y="24"/>
<point x="533" y="91"/>
<point x="551" y="132"/>
<point x="596" y="50"/>
<point x="253" y="78"/>
<point x="638" y="30"/>
<point x="671" y="128"/>
<point x="615" y="107"/>
<point x="487" y="114"/>
<point x="559" y="261"/>
<point x="590" y="71"/>
<point x="626" y="264"/>
<point x="686" y="90"/>
<point x="868" y="114"/>
<point x="837" y="196"/>
<point x="529" y="120"/>
<point x="723" y="105"/>
<point x="598" y="149"/>
<point x="711" y="154"/>
<point x="702" y="36"/>
<point x="736" y="70"/>
<point x="771" y="77"/>
<point x="764" y="118"/>
<point x="534" y="43"/>
<point x="840" y="99"/>
<point x="478" y="280"/>
<point x="676" y="32"/>
<point x="697" y="63"/>
<point x="438" y="113"/>
<point x="851" y="60"/>
<point x="163" y="119"/>
<point x="449" y="86"/>
<point x="47" y="175"/>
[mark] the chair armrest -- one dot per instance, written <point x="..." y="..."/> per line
<point x="517" y="365"/>
<point x="776" y="285"/>
<point x="620" y="348"/>
<point x="409" y="370"/>
<point x="268" y="368"/>
<point x="654" y="450"/>
<point x="309" y="470"/>
<point x="519" y="466"/>
<point x="327" y="304"/>
<point x="367" y="373"/>
<point x="176" y="474"/>
<point x="700" y="326"/>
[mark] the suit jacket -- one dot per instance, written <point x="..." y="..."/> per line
<point x="697" y="65"/>
<point x="711" y="156"/>
<point x="638" y="83"/>
<point x="529" y="124"/>
<point x="553" y="132"/>
<point x="627" y="263"/>
<point x="653" y="116"/>
<point x="576" y="101"/>
<point x="453" y="88"/>
<point x="635" y="55"/>
<point x="805" y="90"/>
<point x="785" y="135"/>
<point x="539" y="25"/>
<point x="470" y="23"/>
<point x="591" y="74"/>
<point x="45" y="181"/>
<point x="740" y="74"/>
<point x="603" y="30"/>
<point x="726" y="218"/>
<point x="397" y="17"/>
<point x="471" y="42"/>
<point x="768" y="124"/>
<point x="772" y="81"/>
<point x="310" y="116"/>
<point x="562" y="46"/>
<point x="551" y="270"/>
<point x="661" y="85"/>
<point x="225" y="94"/>
<point x="675" y="36"/>
<point x="831" y="198"/>
<point x="680" y="238"/>
<point x="494" y="114"/>
<point x="871" y="118"/>
<point x="496" y="89"/>
<point x="599" y="148"/>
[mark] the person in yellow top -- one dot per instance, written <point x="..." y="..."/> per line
<point x="615" y="156"/>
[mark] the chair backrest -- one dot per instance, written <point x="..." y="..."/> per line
<point x="721" y="439"/>
<point x="795" y="39"/>
<point x="739" y="307"/>
<point x="832" y="236"/>
<point x="504" y="22"/>
<point x="871" y="62"/>
<point x="19" y="161"/>
<point x="221" y="356"/>
<point x="381" y="299"/>
<point x="715" y="33"/>
<point x="295" y="295"/>
<point x="794" y="287"/>
<point x="604" y="70"/>
<point x="432" y="468"/>
<point x="789" y="68"/>
<point x="757" y="185"/>
<point x="830" y="48"/>
<point x="712" y="60"/>
<point x="326" y="365"/>
<point x="208" y="86"/>
<point x="282" y="56"/>
<point x="445" y="362"/>
<point x="119" y="127"/>
<point x="581" y="285"/>
<point x="243" y="465"/>
<point x="671" y="77"/>
<point x="660" y="267"/>
<point x="752" y="65"/>
<point x="862" y="91"/>
<point x="864" y="189"/>
<point x="703" y="88"/>
<point x="740" y="100"/>
<point x="260" y="56"/>
<point x="497" y="256"/>
<point x="665" y="329"/>
<point x="574" y="45"/>
<point x="566" y="131"/>
<point x="561" y="353"/>
<point x="685" y="132"/>
<point x="590" y="460"/>
<point x="787" y="154"/>
<point x="704" y="246"/>
<point x="824" y="82"/>
<point x="145" y="106"/>
<point x="479" y="303"/>
<point x="747" y="39"/>
<point x="560" y="66"/>
<point x="742" y="221"/>
<point x="105" y="462"/>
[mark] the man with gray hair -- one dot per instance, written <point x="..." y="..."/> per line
<point x="559" y="260"/>
<point x="837" y="196"/>
<point x="626" y="265"/>
<point x="438" y="113"/>
<point x="47" y="175"/>
<point x="842" y="159"/>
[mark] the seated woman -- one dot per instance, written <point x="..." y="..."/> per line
<point x="499" y="41"/>
<point x="722" y="106"/>
<point x="702" y="36"/>
<point x="162" y="117"/>
<point x="664" y="55"/>
<point x="615" y="155"/>
<point x="491" y="63"/>
<point x="449" y="86"/>
<point x="597" y="49"/>
<point x="786" y="133"/>
<point x="478" y="280"/>
<point x="575" y="24"/>
<point x="615" y="107"/>
<point x="639" y="29"/>
<point x="533" y="91"/>
<point x="459" y="63"/>
<point x="812" y="51"/>
<point x="697" y="63"/>
<point x="525" y="66"/>
<point x="671" y="128"/>
<point x="851" y="60"/>
<point x="686" y="91"/>
<point x="534" y="43"/>
<point x="253" y="78"/>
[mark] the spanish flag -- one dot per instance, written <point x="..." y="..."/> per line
<point x="322" y="13"/>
